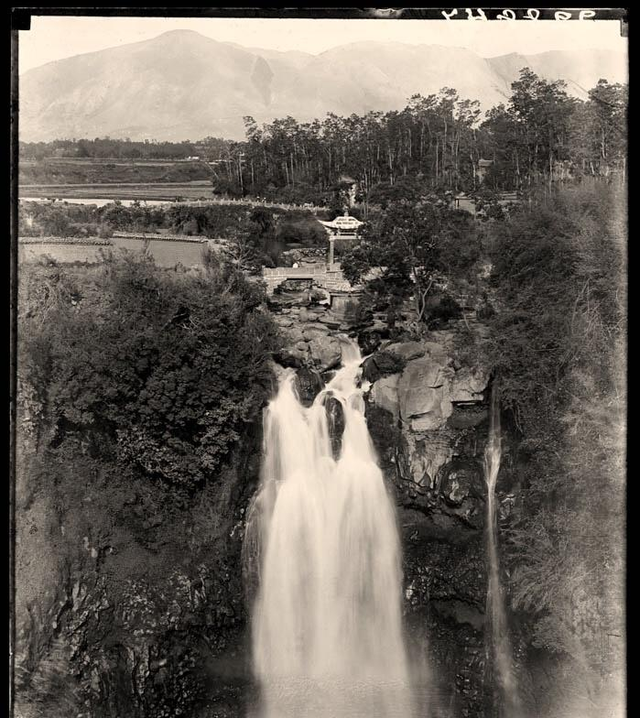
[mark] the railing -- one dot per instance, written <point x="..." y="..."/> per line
<point x="243" y="201"/>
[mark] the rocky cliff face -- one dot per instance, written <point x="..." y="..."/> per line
<point x="428" y="416"/>
<point x="130" y="600"/>
<point x="429" y="425"/>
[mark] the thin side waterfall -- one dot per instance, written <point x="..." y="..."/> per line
<point x="499" y="653"/>
<point x="327" y="625"/>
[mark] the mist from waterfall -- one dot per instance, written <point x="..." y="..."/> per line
<point x="327" y="625"/>
<point x="499" y="653"/>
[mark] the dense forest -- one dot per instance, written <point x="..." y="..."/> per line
<point x="111" y="148"/>
<point x="541" y="134"/>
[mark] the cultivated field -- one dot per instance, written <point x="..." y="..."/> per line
<point x="168" y="191"/>
<point x="71" y="171"/>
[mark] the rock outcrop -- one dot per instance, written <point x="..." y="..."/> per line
<point x="130" y="600"/>
<point x="427" y="415"/>
<point x="429" y="423"/>
<point x="309" y="328"/>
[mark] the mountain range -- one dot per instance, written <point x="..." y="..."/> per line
<point x="182" y="85"/>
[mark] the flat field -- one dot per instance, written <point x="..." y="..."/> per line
<point x="111" y="171"/>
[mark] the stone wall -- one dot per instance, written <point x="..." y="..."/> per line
<point x="327" y="276"/>
<point x="83" y="253"/>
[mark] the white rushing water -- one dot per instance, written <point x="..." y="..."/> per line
<point x="327" y="626"/>
<point x="499" y="644"/>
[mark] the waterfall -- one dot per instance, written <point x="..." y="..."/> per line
<point x="499" y="654"/>
<point x="327" y="625"/>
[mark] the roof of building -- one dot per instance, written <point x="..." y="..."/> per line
<point x="345" y="222"/>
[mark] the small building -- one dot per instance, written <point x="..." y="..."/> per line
<point x="342" y="228"/>
<point x="461" y="201"/>
<point x="345" y="227"/>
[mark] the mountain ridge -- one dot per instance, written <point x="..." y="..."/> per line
<point x="183" y="85"/>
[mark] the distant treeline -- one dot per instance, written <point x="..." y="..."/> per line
<point x="107" y="148"/>
<point x="435" y="143"/>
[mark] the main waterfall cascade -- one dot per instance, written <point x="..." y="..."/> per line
<point x="499" y="645"/>
<point x="327" y="624"/>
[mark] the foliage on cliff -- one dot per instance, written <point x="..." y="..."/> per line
<point x="160" y="370"/>
<point x="140" y="393"/>
<point x="557" y="347"/>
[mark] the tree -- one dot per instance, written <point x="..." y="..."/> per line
<point x="406" y="244"/>
<point x="607" y="109"/>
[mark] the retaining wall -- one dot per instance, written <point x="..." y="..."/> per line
<point x="328" y="276"/>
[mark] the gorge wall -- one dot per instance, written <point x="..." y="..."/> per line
<point x="155" y="627"/>
<point x="427" y="412"/>
<point x="160" y="625"/>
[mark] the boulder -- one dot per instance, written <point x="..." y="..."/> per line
<point x="291" y="357"/>
<point x="423" y="392"/>
<point x="384" y="394"/>
<point x="309" y="383"/>
<point x="469" y="385"/>
<point x="407" y="350"/>
<point x="335" y="420"/>
<point x="291" y="335"/>
<point x="330" y="320"/>
<point x="284" y="322"/>
<point x="306" y="316"/>
<point x="317" y="310"/>
<point x="320" y="296"/>
<point x="313" y="331"/>
<point x="381" y="364"/>
<point x="326" y="352"/>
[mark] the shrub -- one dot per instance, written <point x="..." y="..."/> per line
<point x="162" y="369"/>
<point x="442" y="309"/>
<point x="105" y="231"/>
<point x="301" y="228"/>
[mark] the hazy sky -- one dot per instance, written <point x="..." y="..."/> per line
<point x="53" y="38"/>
